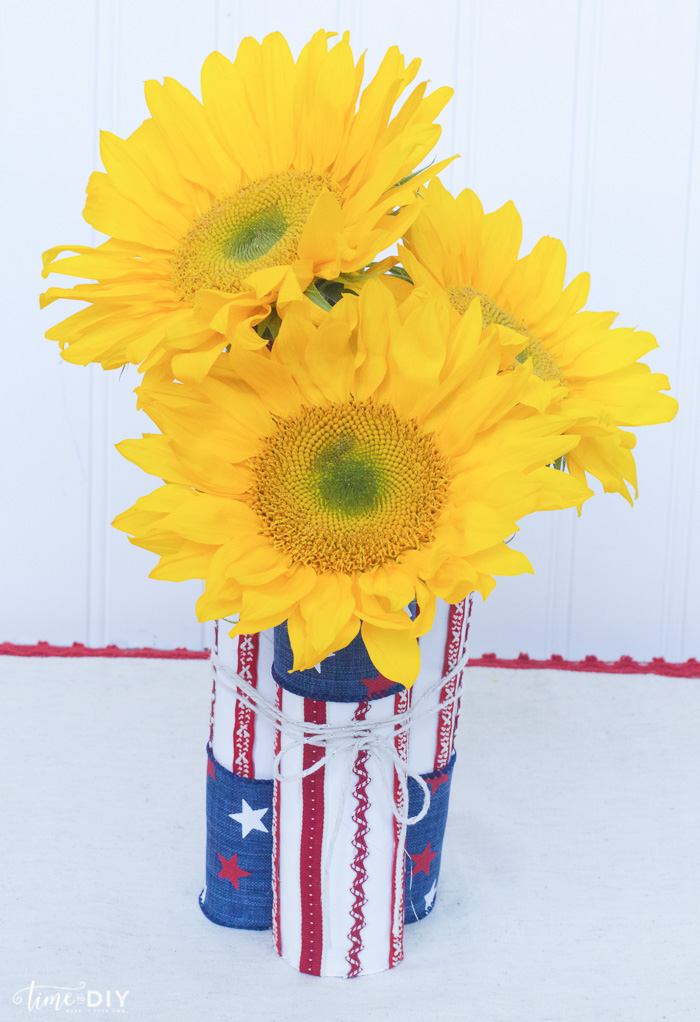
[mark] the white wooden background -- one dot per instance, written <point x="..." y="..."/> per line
<point x="584" y="112"/>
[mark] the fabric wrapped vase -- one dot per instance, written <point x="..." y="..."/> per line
<point x="431" y="753"/>
<point x="240" y="752"/>
<point x="348" y="867"/>
<point x="240" y="755"/>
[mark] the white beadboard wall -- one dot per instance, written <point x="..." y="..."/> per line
<point x="584" y="112"/>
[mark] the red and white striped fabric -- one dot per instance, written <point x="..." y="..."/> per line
<point x="241" y="740"/>
<point x="338" y="850"/>
<point x="433" y="736"/>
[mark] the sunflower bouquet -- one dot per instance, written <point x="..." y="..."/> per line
<point x="346" y="441"/>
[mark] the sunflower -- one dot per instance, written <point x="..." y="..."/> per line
<point x="591" y="372"/>
<point x="373" y="460"/>
<point x="218" y="209"/>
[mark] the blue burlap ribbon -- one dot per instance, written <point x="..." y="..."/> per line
<point x="238" y="888"/>
<point x="249" y="906"/>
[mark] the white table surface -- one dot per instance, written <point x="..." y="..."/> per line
<point x="570" y="883"/>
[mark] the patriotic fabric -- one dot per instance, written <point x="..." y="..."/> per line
<point x="337" y="909"/>
<point x="241" y="740"/>
<point x="238" y="887"/>
<point x="433" y="735"/>
<point x="242" y="748"/>
<point x="424" y="843"/>
<point x="239" y="849"/>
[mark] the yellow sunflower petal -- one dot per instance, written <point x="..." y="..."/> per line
<point x="454" y="580"/>
<point x="208" y="519"/>
<point x="306" y="653"/>
<point x="394" y="653"/>
<point x="378" y="322"/>
<point x="219" y="603"/>
<point x="233" y="121"/>
<point x="266" y="606"/>
<point x="272" y="381"/>
<point x="181" y="120"/>
<point x="127" y="166"/>
<point x="190" y="560"/>
<point x="322" y="238"/>
<point x="327" y="609"/>
<point x="390" y="581"/>
<point x="609" y="459"/>
<point x="111" y="212"/>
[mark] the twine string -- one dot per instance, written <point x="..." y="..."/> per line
<point x="377" y="736"/>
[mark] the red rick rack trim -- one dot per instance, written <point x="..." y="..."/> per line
<point x="77" y="649"/>
<point x="402" y="702"/>
<point x="359" y="842"/>
<point x="276" y="933"/>
<point x="625" y="665"/>
<point x="213" y="687"/>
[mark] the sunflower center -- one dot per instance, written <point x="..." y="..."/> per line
<point x="347" y="487"/>
<point x="461" y="296"/>
<point x="259" y="226"/>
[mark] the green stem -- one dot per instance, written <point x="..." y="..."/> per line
<point x="317" y="297"/>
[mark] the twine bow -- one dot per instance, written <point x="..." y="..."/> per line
<point x="377" y="736"/>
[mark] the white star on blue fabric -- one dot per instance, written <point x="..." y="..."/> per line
<point x="317" y="667"/>
<point x="250" y="819"/>
<point x="430" y="896"/>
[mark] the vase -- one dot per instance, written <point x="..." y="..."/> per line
<point x="363" y="770"/>
<point x="237" y="889"/>
<point x="240" y="756"/>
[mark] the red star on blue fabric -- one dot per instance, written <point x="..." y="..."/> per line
<point x="435" y="782"/>
<point x="376" y="685"/>
<point x="211" y="772"/>
<point x="230" y="869"/>
<point x="422" y="862"/>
